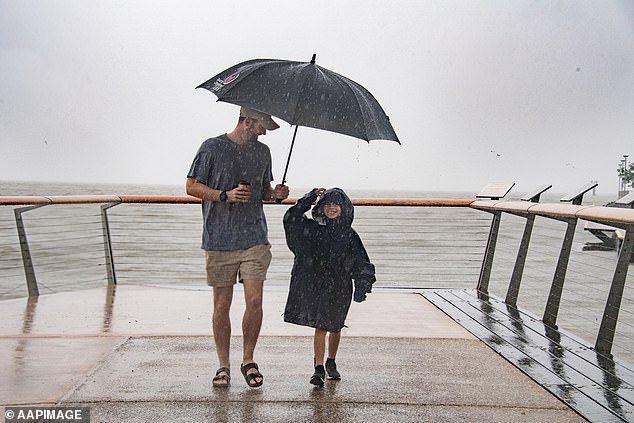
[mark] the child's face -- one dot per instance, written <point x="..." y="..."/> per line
<point x="332" y="210"/>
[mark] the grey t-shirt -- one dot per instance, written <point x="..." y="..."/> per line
<point x="221" y="164"/>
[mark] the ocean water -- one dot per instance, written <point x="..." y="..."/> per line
<point x="411" y="247"/>
<point x="8" y="188"/>
<point x="160" y="243"/>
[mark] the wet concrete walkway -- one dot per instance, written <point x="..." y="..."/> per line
<point x="139" y="354"/>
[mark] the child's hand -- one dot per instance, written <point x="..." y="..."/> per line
<point x="320" y="192"/>
<point x="362" y="287"/>
<point x="359" y="296"/>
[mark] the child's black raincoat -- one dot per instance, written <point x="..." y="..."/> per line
<point x="328" y="255"/>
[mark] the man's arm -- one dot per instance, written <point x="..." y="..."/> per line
<point x="197" y="189"/>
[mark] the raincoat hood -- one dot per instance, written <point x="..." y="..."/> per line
<point x="337" y="196"/>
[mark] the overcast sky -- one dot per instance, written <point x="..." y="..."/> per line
<point x="532" y="92"/>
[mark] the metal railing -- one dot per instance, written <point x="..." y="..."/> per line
<point x="149" y="240"/>
<point x="569" y="215"/>
<point x="87" y="241"/>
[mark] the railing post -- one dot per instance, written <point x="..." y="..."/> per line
<point x="554" y="297"/>
<point x="518" y="270"/>
<point x="107" y="244"/>
<point x="29" y="271"/>
<point x="613" y="303"/>
<point x="487" y="263"/>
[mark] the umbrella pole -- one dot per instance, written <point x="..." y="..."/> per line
<point x="288" y="160"/>
<point x="290" y="151"/>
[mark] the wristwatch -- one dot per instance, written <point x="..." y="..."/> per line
<point x="223" y="196"/>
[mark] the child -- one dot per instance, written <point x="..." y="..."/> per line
<point x="328" y="255"/>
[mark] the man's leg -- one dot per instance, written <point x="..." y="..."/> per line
<point x="251" y="321"/>
<point x="221" y="323"/>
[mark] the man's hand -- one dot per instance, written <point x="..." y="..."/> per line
<point x="240" y="194"/>
<point x="281" y="192"/>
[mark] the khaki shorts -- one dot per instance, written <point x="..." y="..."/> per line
<point x="224" y="267"/>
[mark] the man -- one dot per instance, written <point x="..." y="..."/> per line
<point x="232" y="175"/>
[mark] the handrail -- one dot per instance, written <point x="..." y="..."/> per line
<point x="172" y="199"/>
<point x="602" y="214"/>
<point x="618" y="217"/>
<point x="609" y="215"/>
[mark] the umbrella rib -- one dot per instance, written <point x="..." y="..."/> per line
<point x="367" y="99"/>
<point x="307" y="68"/>
<point x="348" y="83"/>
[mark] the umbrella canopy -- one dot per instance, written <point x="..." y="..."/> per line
<point x="303" y="94"/>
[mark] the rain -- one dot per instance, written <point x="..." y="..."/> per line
<point x="103" y="92"/>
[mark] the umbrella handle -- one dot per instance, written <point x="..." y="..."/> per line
<point x="278" y="200"/>
<point x="288" y="160"/>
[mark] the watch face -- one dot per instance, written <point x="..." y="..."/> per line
<point x="223" y="196"/>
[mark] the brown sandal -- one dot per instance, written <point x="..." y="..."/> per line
<point x="222" y="380"/>
<point x="251" y="377"/>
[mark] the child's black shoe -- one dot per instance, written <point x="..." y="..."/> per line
<point x="318" y="377"/>
<point x="331" y="369"/>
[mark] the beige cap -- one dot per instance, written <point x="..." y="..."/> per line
<point x="268" y="123"/>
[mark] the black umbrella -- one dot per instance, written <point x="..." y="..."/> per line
<point x="303" y="94"/>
